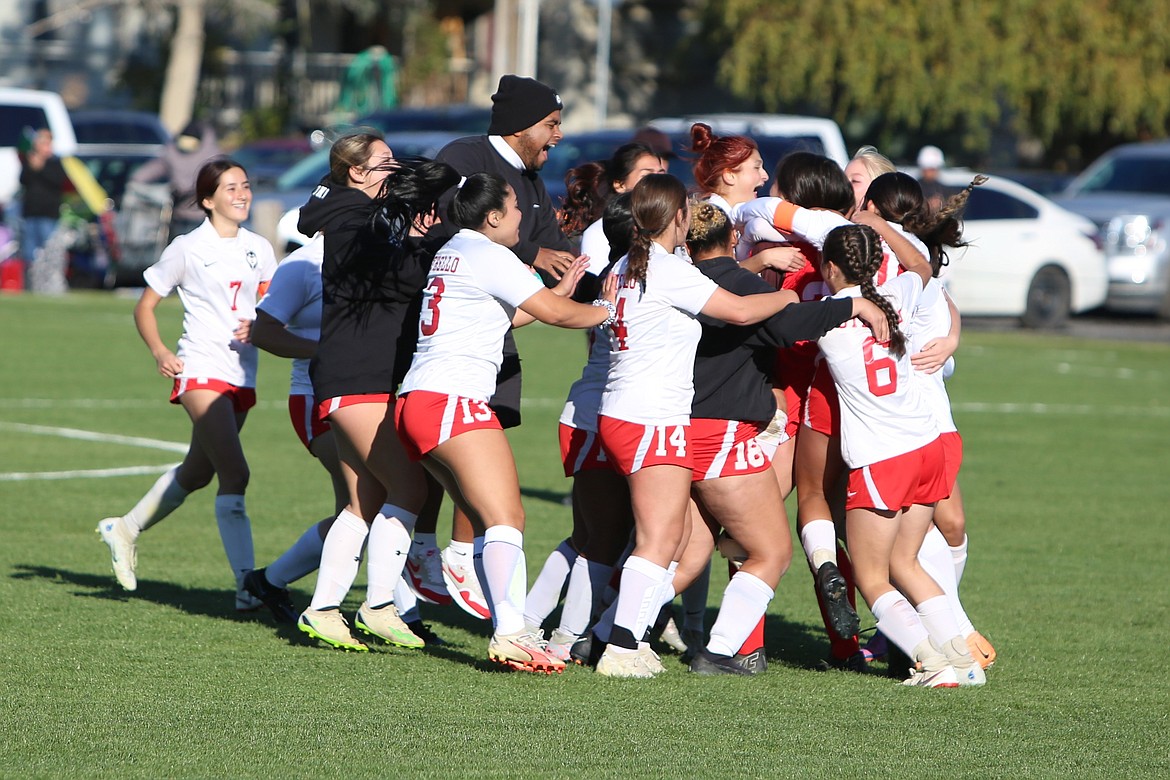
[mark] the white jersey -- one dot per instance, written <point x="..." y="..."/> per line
<point x="472" y="292"/>
<point x="218" y="280"/>
<point x="651" y="379"/>
<point x="595" y="245"/>
<point x="294" y="298"/>
<point x="584" y="401"/>
<point x="932" y="320"/>
<point x="883" y="411"/>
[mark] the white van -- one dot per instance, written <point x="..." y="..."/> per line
<point x="31" y="109"/>
<point x="808" y="133"/>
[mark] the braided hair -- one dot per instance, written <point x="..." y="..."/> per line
<point x="654" y="203"/>
<point x="898" y="198"/>
<point x="857" y="251"/>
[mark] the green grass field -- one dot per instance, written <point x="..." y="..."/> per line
<point x="1067" y="493"/>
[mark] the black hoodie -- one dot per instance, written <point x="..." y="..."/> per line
<point x="367" y="289"/>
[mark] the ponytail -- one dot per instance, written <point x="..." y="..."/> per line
<point x="857" y="251"/>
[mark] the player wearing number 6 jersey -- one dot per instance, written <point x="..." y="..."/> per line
<point x="219" y="269"/>
<point x="476" y="291"/>
<point x="889" y="440"/>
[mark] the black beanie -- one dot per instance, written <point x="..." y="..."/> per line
<point x="519" y="103"/>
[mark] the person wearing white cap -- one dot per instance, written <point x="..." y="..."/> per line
<point x="930" y="160"/>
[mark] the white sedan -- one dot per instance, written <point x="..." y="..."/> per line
<point x="1027" y="258"/>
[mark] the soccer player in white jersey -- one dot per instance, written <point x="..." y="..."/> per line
<point x="890" y="441"/>
<point x="219" y="269"/>
<point x="476" y="290"/>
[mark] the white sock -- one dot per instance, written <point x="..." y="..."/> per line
<point x="164" y="497"/>
<point x="463" y="549"/>
<point x="340" y="556"/>
<point x="959" y="556"/>
<point x="235" y="531"/>
<point x="940" y="622"/>
<point x="935" y="558"/>
<point x="406" y="602"/>
<point x="694" y="601"/>
<point x="424" y="541"/>
<point x="745" y="600"/>
<point x="503" y="555"/>
<point x="899" y="622"/>
<point x="583" y="596"/>
<point x="550" y="583"/>
<point x="388" y="543"/>
<point x="297" y="561"/>
<point x="819" y="540"/>
<point x="638" y="598"/>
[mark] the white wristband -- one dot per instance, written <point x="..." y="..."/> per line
<point x="609" y="307"/>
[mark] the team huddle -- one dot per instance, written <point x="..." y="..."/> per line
<point x="739" y="348"/>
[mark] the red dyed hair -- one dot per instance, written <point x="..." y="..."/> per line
<point x="717" y="154"/>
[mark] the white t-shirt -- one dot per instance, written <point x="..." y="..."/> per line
<point x="596" y="246"/>
<point x="294" y="298"/>
<point x="217" y="279"/>
<point x="651" y="379"/>
<point x="472" y="292"/>
<point x="931" y="320"/>
<point x="883" y="410"/>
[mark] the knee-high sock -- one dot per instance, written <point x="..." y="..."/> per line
<point x="940" y="622"/>
<point x="745" y="600"/>
<point x="340" y="556"/>
<point x="586" y="582"/>
<point x="235" y="531"/>
<point x="935" y="557"/>
<point x="694" y="600"/>
<point x="550" y="583"/>
<point x="406" y="602"/>
<point x="638" y="601"/>
<point x="387" y="546"/>
<point x="819" y="540"/>
<point x="899" y="622"/>
<point x="959" y="555"/>
<point x="302" y="558"/>
<point x="164" y="497"/>
<point x="503" y="556"/>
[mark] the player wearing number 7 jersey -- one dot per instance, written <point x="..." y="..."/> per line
<point x="890" y="441"/>
<point x="476" y="291"/>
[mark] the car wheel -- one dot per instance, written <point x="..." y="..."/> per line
<point x="1049" y="300"/>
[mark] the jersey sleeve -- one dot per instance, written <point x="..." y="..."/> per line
<point x="167" y="274"/>
<point x="681" y="284"/>
<point x="509" y="280"/>
<point x="595" y="245"/>
<point x="287" y="291"/>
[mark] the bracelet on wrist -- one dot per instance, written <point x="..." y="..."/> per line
<point x="611" y="308"/>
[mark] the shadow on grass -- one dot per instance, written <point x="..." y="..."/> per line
<point x="557" y="497"/>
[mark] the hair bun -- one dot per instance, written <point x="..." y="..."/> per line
<point x="701" y="137"/>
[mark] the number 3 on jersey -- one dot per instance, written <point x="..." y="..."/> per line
<point x="880" y="372"/>
<point x="428" y="323"/>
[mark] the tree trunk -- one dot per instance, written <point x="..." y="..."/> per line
<point x="182" y="78"/>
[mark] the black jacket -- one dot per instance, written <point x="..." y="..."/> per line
<point x="43" y="189"/>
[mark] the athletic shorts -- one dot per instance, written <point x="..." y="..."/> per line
<point x="952" y="456"/>
<point x="581" y="451"/>
<point x="633" y="446"/>
<point x="242" y="398"/>
<point x="331" y="405"/>
<point x="305" y="414"/>
<point x="425" y="420"/>
<point x="793" y="375"/>
<point x="822" y="410"/>
<point x="917" y="477"/>
<point x="726" y="448"/>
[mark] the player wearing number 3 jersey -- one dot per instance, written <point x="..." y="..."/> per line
<point x="476" y="290"/>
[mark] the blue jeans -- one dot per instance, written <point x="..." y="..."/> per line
<point x="34" y="232"/>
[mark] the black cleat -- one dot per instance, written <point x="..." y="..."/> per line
<point x="709" y="664"/>
<point x="423" y="632"/>
<point x="755" y="662"/>
<point x="587" y="650"/>
<point x="898" y="664"/>
<point x="276" y="599"/>
<point x="854" y="663"/>
<point x="834" y="591"/>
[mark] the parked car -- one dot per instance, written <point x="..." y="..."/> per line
<point x="783" y="133"/>
<point x="23" y="110"/>
<point x="115" y="143"/>
<point x="1027" y="257"/>
<point x="1126" y="193"/>
<point x="461" y="119"/>
<point x="266" y="159"/>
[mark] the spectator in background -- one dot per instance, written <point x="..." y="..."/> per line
<point x="930" y="160"/>
<point x="43" y="179"/>
<point x="178" y="166"/>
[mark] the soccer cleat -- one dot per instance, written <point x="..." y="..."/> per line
<point x="526" y="652"/>
<point x="981" y="649"/>
<point x="246" y="602"/>
<point x="709" y="664"/>
<point x="123" y="552"/>
<point x="933" y="669"/>
<point x="943" y="677"/>
<point x="732" y="550"/>
<point x="330" y="627"/>
<point x="834" y="591"/>
<point x="587" y="650"/>
<point x="876" y="648"/>
<point x="385" y="624"/>
<point x="463" y="585"/>
<point x="652" y="659"/>
<point x="671" y="637"/>
<point x="755" y="662"/>
<point x="424" y="632"/>
<point x="276" y="599"/>
<point x="424" y="575"/>
<point x="560" y="644"/>
<point x="629" y="664"/>
<point x="967" y="669"/>
<point x="855" y="663"/>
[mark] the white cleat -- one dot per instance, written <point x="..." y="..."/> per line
<point x="123" y="552"/>
<point x="463" y="585"/>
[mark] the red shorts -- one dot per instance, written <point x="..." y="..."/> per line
<point x="917" y="477"/>
<point x="331" y="405"/>
<point x="633" y="446"/>
<point x="726" y="448"/>
<point x="242" y="398"/>
<point x="306" y="418"/>
<point x="952" y="456"/>
<point x="581" y="451"/>
<point x="425" y="420"/>
<point x="793" y="375"/>
<point x="822" y="411"/>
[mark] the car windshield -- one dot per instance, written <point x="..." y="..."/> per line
<point x="1127" y="174"/>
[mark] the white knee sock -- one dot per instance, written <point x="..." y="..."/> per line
<point x="503" y="556"/>
<point x="940" y="622"/>
<point x="297" y="561"/>
<point x="899" y="622"/>
<point x="583" y="596"/>
<point x="164" y="497"/>
<point x="386" y="548"/>
<point x="340" y="556"/>
<point x="935" y="557"/>
<point x="639" y="599"/>
<point x="694" y="601"/>
<point x="235" y="531"/>
<point x="406" y="602"/>
<point x="745" y="600"/>
<point x="819" y="540"/>
<point x="423" y="542"/>
<point x="550" y="583"/>
<point x="959" y="555"/>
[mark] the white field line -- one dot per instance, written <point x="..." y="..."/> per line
<point x="129" y="471"/>
<point x="108" y="438"/>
